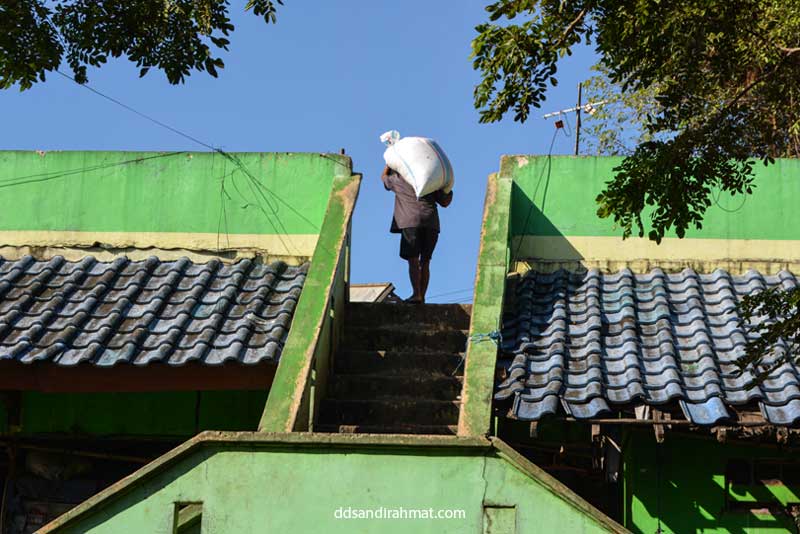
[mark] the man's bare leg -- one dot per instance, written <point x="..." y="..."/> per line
<point x="424" y="277"/>
<point x="415" y="275"/>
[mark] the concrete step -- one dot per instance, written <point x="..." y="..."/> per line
<point x="439" y="316"/>
<point x="430" y="430"/>
<point x="403" y="339"/>
<point x="409" y="387"/>
<point x="390" y="363"/>
<point x="388" y="412"/>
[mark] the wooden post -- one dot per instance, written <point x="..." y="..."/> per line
<point x="578" y="121"/>
<point x="658" y="427"/>
<point x="534" y="429"/>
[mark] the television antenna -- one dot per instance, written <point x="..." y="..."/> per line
<point x="589" y="107"/>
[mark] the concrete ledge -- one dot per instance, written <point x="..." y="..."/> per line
<point x="612" y="253"/>
<point x="265" y="244"/>
<point x="490" y="283"/>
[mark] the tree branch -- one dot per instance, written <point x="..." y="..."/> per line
<point x="753" y="83"/>
<point x="569" y="29"/>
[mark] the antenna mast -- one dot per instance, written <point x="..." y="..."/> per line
<point x="589" y="108"/>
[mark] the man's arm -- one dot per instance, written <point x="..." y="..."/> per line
<point x="386" y="177"/>
<point x="444" y="199"/>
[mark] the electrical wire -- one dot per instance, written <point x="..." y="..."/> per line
<point x="527" y="217"/>
<point x="548" y="168"/>
<point x="451" y="293"/>
<point x="566" y="121"/>
<point x="723" y="208"/>
<point x="47" y="176"/>
<point x="139" y="113"/>
<point x="496" y="335"/>
<point x="254" y="183"/>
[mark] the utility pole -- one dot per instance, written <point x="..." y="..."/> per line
<point x="578" y="120"/>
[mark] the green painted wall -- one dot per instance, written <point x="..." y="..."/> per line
<point x="169" y="414"/>
<point x="688" y="492"/>
<point x="299" y="489"/>
<point x="487" y="308"/>
<point x="166" y="192"/>
<point x="564" y="200"/>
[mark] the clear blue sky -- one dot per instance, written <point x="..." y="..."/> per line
<point x="329" y="75"/>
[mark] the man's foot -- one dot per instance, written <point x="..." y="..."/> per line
<point x="415" y="300"/>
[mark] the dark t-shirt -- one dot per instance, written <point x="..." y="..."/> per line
<point x="409" y="211"/>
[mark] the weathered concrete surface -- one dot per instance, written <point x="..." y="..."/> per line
<point x="376" y="315"/>
<point x="490" y="283"/>
<point x="264" y="252"/>
<point x="405" y="394"/>
<point x="166" y="245"/>
<point x="272" y="203"/>
<point x="253" y="482"/>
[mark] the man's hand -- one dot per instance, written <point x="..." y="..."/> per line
<point x="385" y="178"/>
<point x="444" y="199"/>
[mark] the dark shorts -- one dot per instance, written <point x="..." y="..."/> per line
<point x="418" y="242"/>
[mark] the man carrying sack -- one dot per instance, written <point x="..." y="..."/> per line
<point x="417" y="220"/>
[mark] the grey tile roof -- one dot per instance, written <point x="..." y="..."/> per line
<point x="589" y="343"/>
<point x="147" y="311"/>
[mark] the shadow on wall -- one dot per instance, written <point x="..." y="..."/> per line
<point x="532" y="231"/>
<point x="684" y="484"/>
<point x="142" y="491"/>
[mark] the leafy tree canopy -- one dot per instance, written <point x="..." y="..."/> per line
<point x="175" y="36"/>
<point x="726" y="76"/>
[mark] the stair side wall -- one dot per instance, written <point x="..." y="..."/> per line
<point x="252" y="488"/>
<point x="487" y="309"/>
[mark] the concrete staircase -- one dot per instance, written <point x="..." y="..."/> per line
<point x="399" y="370"/>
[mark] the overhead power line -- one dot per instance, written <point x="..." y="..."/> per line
<point x="137" y="112"/>
<point x="257" y="188"/>
<point x="446" y="293"/>
<point x="53" y="175"/>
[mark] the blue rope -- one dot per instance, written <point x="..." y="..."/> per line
<point x="495" y="336"/>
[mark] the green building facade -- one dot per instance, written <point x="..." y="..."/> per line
<point x="233" y="449"/>
<point x="67" y="212"/>
<point x="252" y="465"/>
<point x="737" y="475"/>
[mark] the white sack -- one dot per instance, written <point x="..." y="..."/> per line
<point x="420" y="161"/>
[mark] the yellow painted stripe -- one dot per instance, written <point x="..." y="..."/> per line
<point x="271" y="245"/>
<point x="673" y="253"/>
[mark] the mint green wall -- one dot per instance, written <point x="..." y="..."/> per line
<point x="565" y="200"/>
<point x="689" y="491"/>
<point x="166" y="192"/>
<point x="487" y="308"/>
<point x="298" y="489"/>
<point x="169" y="414"/>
